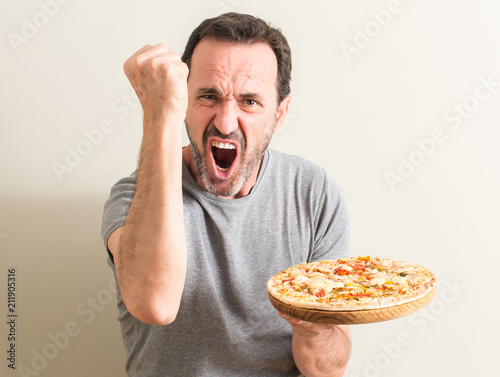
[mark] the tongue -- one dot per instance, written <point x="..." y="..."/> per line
<point x="223" y="157"/>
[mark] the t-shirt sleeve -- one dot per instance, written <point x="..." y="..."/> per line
<point x="116" y="207"/>
<point x="331" y="224"/>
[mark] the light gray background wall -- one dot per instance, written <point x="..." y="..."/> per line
<point x="373" y="83"/>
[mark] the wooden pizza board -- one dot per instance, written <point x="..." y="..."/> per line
<point x="352" y="317"/>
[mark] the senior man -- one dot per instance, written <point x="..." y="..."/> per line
<point x="195" y="232"/>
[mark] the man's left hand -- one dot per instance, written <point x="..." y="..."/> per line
<point x="308" y="329"/>
<point x="319" y="349"/>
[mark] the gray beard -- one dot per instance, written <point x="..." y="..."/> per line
<point x="240" y="177"/>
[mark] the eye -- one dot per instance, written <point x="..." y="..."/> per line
<point x="208" y="100"/>
<point x="248" y="102"/>
<point x="250" y="105"/>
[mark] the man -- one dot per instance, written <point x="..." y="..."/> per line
<point x="194" y="234"/>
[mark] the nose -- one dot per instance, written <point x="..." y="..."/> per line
<point x="226" y="119"/>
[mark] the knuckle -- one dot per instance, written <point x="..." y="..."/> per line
<point x="163" y="46"/>
<point x="139" y="61"/>
<point x="175" y="56"/>
<point x="150" y="64"/>
<point x="181" y="68"/>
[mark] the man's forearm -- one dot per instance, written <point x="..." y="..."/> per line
<point x="151" y="261"/>
<point x="324" y="354"/>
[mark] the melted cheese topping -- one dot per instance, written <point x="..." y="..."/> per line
<point x="350" y="281"/>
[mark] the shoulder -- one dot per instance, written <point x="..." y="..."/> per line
<point x="293" y="164"/>
<point x="299" y="171"/>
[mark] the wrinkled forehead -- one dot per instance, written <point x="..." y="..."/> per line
<point x="234" y="66"/>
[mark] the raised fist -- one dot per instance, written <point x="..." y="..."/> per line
<point x="159" y="78"/>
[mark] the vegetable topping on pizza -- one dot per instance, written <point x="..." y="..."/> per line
<point x="351" y="284"/>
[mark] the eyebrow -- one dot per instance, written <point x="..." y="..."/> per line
<point x="250" y="95"/>
<point x="208" y="90"/>
<point x="217" y="92"/>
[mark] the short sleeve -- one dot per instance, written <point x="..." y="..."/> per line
<point x="331" y="223"/>
<point x="117" y="206"/>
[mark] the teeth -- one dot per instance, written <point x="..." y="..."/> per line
<point x="223" y="145"/>
<point x="221" y="169"/>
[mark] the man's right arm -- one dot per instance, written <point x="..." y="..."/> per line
<point x="149" y="250"/>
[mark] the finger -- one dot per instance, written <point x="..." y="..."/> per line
<point x="146" y="53"/>
<point x="305" y="327"/>
<point x="138" y="53"/>
<point x="161" y="58"/>
<point x="150" y="51"/>
<point x="291" y="320"/>
<point x="143" y="49"/>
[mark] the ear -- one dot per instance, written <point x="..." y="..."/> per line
<point x="281" y="112"/>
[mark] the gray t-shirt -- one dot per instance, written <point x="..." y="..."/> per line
<point x="226" y="325"/>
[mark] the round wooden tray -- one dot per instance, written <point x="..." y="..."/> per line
<point x="352" y="317"/>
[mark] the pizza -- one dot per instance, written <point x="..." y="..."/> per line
<point x="356" y="283"/>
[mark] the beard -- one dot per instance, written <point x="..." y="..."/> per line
<point x="249" y="161"/>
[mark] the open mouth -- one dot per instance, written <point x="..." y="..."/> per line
<point x="224" y="155"/>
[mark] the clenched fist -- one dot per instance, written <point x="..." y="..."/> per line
<point x="159" y="78"/>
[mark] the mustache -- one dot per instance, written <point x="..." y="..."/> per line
<point x="213" y="131"/>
